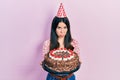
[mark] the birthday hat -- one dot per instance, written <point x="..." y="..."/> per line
<point x="61" y="12"/>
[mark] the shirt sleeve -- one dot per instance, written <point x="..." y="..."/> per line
<point x="76" y="46"/>
<point x="45" y="48"/>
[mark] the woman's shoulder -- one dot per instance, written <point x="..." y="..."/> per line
<point x="74" y="42"/>
<point x="46" y="42"/>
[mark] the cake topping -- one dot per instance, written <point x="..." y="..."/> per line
<point x="61" y="54"/>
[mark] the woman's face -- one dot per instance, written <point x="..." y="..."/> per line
<point x="61" y="29"/>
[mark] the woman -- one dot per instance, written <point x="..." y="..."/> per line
<point x="60" y="38"/>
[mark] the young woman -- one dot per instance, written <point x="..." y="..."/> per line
<point x="60" y="38"/>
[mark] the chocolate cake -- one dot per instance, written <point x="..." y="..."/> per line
<point x="61" y="60"/>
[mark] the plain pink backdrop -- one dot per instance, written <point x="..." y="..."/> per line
<point x="25" y="24"/>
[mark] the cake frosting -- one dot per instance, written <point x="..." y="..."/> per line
<point x="61" y="54"/>
<point x="61" y="60"/>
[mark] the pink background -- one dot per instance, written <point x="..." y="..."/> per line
<point x="25" y="24"/>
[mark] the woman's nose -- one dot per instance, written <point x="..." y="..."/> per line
<point x="62" y="30"/>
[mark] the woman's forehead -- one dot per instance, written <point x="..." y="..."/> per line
<point x="60" y="24"/>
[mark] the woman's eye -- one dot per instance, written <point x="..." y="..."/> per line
<point x="58" y="27"/>
<point x="65" y="27"/>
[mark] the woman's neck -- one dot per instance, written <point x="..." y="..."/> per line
<point x="61" y="39"/>
<point x="61" y="42"/>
